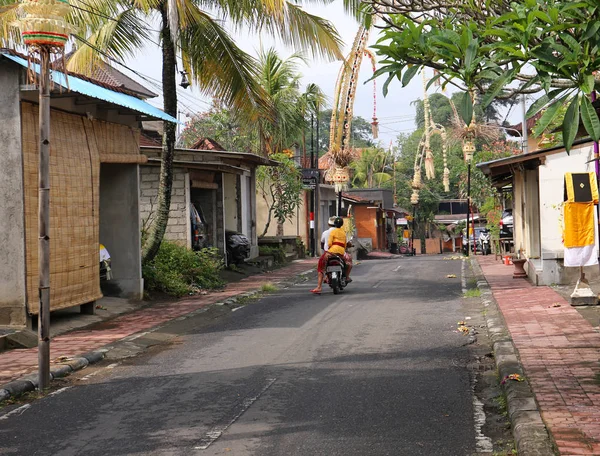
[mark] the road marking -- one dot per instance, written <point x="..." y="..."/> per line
<point x="59" y="391"/>
<point x="483" y="443"/>
<point x="213" y="435"/>
<point x="377" y="284"/>
<point x="396" y="270"/>
<point x="17" y="411"/>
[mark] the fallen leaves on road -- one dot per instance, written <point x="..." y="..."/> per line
<point x="454" y="257"/>
<point x="556" y="304"/>
<point x="101" y="307"/>
<point x="514" y="377"/>
<point x="451" y="276"/>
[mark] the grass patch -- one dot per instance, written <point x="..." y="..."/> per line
<point x="179" y="271"/>
<point x="472" y="293"/>
<point x="268" y="287"/>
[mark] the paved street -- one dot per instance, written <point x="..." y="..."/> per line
<point x="377" y="370"/>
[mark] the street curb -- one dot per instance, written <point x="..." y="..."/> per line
<point x="29" y="382"/>
<point x="529" y="431"/>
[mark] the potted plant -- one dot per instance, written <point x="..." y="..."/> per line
<point x="519" y="262"/>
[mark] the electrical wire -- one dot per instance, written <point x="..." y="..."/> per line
<point x="157" y="84"/>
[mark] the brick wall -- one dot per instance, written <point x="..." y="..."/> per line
<point x="178" y="214"/>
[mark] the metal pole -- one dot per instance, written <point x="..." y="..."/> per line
<point x="339" y="205"/>
<point x="44" y="224"/>
<point x="412" y="234"/>
<point x="468" y="207"/>
<point x="525" y="146"/>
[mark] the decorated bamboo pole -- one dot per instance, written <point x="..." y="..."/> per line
<point x="44" y="32"/>
<point x="44" y="223"/>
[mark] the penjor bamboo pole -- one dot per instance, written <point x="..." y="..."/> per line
<point x="44" y="223"/>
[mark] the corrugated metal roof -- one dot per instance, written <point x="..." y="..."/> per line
<point x="92" y="90"/>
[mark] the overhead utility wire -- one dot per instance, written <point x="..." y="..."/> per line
<point x="146" y="78"/>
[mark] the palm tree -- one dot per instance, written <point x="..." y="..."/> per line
<point x="370" y="168"/>
<point x="188" y="29"/>
<point x="280" y="81"/>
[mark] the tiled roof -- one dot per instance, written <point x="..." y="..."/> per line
<point x="115" y="78"/>
<point x="149" y="141"/>
<point x="207" y="144"/>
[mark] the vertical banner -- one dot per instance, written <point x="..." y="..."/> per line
<point x="580" y="196"/>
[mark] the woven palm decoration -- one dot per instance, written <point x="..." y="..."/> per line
<point x="43" y="27"/>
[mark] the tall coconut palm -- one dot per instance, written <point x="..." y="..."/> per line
<point x="280" y="80"/>
<point x="192" y="31"/>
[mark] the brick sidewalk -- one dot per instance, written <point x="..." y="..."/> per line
<point x="559" y="351"/>
<point x="17" y="363"/>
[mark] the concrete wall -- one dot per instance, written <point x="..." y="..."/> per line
<point x="538" y="217"/>
<point x="120" y="227"/>
<point x="551" y="190"/>
<point x="230" y="201"/>
<point x="178" y="226"/>
<point x="12" y="218"/>
<point x="295" y="226"/>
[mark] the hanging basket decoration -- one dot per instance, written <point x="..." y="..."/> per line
<point x="446" y="180"/>
<point x="416" y="183"/>
<point x="414" y="198"/>
<point x="375" y="128"/>
<point x="43" y="23"/>
<point x="340" y="178"/>
<point x="429" y="166"/>
<point x="44" y="29"/>
<point x="468" y="150"/>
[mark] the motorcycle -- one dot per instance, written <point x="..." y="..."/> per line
<point x="484" y="243"/>
<point x="336" y="273"/>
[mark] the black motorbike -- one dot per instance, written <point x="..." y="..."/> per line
<point x="336" y="273"/>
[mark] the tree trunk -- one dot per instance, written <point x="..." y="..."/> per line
<point x="269" y="213"/>
<point x="279" y="229"/>
<point x="157" y="231"/>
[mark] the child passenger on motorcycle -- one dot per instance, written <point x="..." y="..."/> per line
<point x="335" y="245"/>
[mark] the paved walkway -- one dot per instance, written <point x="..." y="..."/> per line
<point x="560" y="353"/>
<point x="17" y="363"/>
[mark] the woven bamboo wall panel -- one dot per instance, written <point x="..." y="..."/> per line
<point x="74" y="209"/>
<point x="114" y="139"/>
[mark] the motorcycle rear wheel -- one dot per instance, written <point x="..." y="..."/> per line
<point x="335" y="284"/>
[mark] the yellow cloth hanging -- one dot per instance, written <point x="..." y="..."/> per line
<point x="581" y="187"/>
<point x="579" y="224"/>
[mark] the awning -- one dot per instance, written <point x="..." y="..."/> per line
<point x="95" y="91"/>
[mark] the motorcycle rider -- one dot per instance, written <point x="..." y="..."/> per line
<point x="336" y="245"/>
<point x="325" y="235"/>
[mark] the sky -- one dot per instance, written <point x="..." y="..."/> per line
<point x="395" y="112"/>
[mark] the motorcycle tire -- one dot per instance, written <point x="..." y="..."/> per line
<point x="335" y="284"/>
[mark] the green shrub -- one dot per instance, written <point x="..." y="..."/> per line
<point x="179" y="271"/>
<point x="278" y="253"/>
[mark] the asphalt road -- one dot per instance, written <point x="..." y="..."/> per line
<point x="377" y="370"/>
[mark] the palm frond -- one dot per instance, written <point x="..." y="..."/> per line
<point x="221" y="68"/>
<point x="117" y="37"/>
<point x="10" y="36"/>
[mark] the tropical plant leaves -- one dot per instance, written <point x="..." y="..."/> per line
<point x="465" y="108"/>
<point x="571" y="123"/>
<point x="590" y="119"/>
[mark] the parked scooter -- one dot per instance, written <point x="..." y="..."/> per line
<point x="484" y="242"/>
